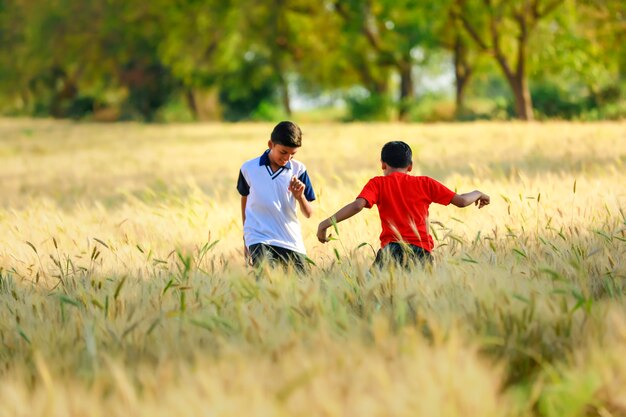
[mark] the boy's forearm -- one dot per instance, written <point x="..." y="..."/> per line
<point x="464" y="200"/>
<point x="344" y="213"/>
<point x="305" y="207"/>
<point x="244" y="200"/>
<point x="471" y="197"/>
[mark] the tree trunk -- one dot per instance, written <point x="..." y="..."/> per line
<point x="459" y="110"/>
<point x="285" y="95"/>
<point x="462" y="74"/>
<point x="517" y="81"/>
<point x="61" y="98"/>
<point x="407" y="93"/>
<point x="526" y="20"/>
<point x="204" y="104"/>
<point x="191" y="103"/>
<point x="24" y="99"/>
<point x="379" y="87"/>
<point x="523" y="100"/>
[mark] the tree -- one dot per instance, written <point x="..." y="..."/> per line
<point x="67" y="56"/>
<point x="388" y="33"/>
<point x="12" y="23"/>
<point x="576" y="69"/>
<point x="450" y="36"/>
<point x="43" y="64"/>
<point x="273" y="38"/>
<point x="603" y="24"/>
<point x="503" y="29"/>
<point x="201" y="46"/>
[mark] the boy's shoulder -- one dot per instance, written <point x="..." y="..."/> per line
<point x="413" y="180"/>
<point x="297" y="165"/>
<point x="407" y="177"/>
<point x="251" y="162"/>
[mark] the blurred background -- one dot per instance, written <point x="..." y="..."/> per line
<point x="339" y="60"/>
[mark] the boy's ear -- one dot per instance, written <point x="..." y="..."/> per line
<point x="383" y="165"/>
<point x="409" y="168"/>
<point x="270" y="144"/>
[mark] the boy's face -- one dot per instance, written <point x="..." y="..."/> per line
<point x="280" y="154"/>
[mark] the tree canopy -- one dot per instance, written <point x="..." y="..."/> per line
<point x="375" y="59"/>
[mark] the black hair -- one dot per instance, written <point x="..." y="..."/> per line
<point x="397" y="154"/>
<point x="287" y="134"/>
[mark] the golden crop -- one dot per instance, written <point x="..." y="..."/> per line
<point x="123" y="289"/>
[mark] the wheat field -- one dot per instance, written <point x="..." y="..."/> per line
<point x="123" y="288"/>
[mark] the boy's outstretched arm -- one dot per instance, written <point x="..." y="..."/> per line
<point x="345" y="212"/>
<point x="463" y="200"/>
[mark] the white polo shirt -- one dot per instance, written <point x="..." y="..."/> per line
<point x="271" y="209"/>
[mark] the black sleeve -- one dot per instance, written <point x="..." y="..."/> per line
<point x="309" y="194"/>
<point x="242" y="185"/>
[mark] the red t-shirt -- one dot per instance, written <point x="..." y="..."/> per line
<point x="403" y="202"/>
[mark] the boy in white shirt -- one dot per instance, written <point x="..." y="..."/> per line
<point x="271" y="186"/>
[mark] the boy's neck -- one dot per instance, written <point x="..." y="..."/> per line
<point x="390" y="170"/>
<point x="274" y="166"/>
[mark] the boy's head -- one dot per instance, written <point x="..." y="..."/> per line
<point x="397" y="154"/>
<point x="284" y="142"/>
<point x="287" y="134"/>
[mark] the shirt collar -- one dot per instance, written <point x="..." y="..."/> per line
<point x="265" y="160"/>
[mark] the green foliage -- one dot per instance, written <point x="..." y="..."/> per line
<point x="175" y="110"/>
<point x="550" y="101"/>
<point x="572" y="397"/>
<point x="554" y="101"/>
<point x="268" y="111"/>
<point x="202" y="40"/>
<point x="614" y="111"/>
<point x="68" y="58"/>
<point x="368" y="107"/>
<point x="149" y="88"/>
<point x="432" y="107"/>
<point x="243" y="92"/>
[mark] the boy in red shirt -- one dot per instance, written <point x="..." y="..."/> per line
<point x="403" y="202"/>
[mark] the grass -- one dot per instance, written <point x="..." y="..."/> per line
<point x="123" y="289"/>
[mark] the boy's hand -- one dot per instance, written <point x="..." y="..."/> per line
<point x="482" y="201"/>
<point x="296" y="187"/>
<point x="321" y="233"/>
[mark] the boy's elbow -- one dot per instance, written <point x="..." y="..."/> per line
<point x="459" y="201"/>
<point x="358" y="204"/>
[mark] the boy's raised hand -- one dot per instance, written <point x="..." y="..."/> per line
<point x="296" y="187"/>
